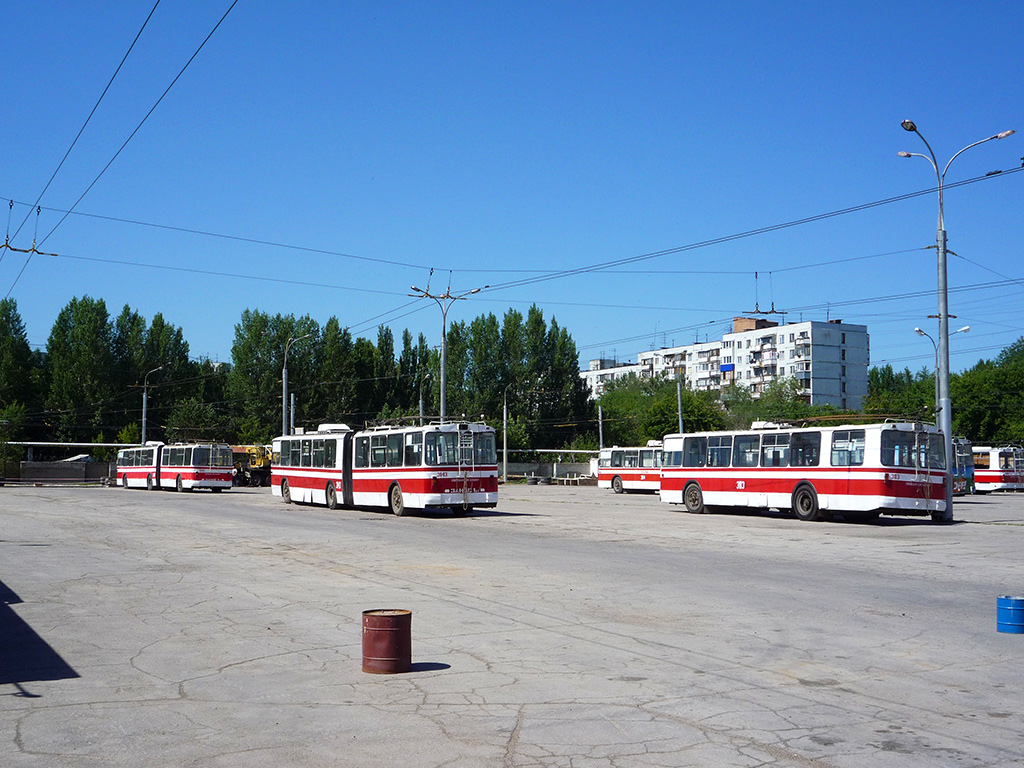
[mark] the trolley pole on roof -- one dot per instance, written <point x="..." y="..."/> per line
<point x="945" y="416"/>
<point x="284" y="383"/>
<point x="444" y="301"/>
<point x="145" y="385"/>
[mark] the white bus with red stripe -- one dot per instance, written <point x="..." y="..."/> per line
<point x="182" y="467"/>
<point x="857" y="471"/>
<point x="630" y="469"/>
<point x="998" y="468"/>
<point x="452" y="465"/>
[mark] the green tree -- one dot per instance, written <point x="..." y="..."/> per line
<point x="16" y="360"/>
<point x="192" y="420"/>
<point x="13" y="417"/>
<point x="78" y="365"/>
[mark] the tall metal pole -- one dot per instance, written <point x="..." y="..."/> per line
<point x="679" y="402"/>
<point x="145" y="386"/>
<point x="945" y="415"/>
<point x="284" y="383"/>
<point x="444" y="301"/>
<point x="504" y="434"/>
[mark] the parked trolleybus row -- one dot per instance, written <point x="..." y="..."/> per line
<point x="856" y="471"/>
<point x="452" y="466"/>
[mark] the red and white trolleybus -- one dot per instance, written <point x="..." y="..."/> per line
<point x="182" y="467"/>
<point x="857" y="471"/>
<point x="998" y="468"/>
<point x="453" y="465"/>
<point x="630" y="469"/>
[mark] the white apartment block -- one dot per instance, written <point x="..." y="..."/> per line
<point x="829" y="360"/>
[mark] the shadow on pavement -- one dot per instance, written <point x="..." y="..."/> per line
<point x="24" y="656"/>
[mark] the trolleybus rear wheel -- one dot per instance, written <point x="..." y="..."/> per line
<point x="396" y="501"/>
<point x="617" y="484"/>
<point x="693" y="499"/>
<point x="286" y="492"/>
<point x="332" y="497"/>
<point x="805" y="503"/>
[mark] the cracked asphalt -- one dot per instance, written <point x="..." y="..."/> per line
<point x="569" y="627"/>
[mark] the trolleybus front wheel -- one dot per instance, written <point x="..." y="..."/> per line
<point x="286" y="492"/>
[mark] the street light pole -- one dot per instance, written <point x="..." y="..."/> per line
<point x="444" y="301"/>
<point x="945" y="415"/>
<point x="284" y="383"/>
<point x="504" y="434"/>
<point x="145" y="385"/>
<point x="935" y="349"/>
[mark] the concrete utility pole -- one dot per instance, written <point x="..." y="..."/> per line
<point x="945" y="415"/>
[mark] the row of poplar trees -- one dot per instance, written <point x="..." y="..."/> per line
<point x="87" y="385"/>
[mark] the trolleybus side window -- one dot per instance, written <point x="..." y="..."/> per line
<point x="848" y="448"/>
<point x="719" y="450"/>
<point x="647" y="459"/>
<point x="805" y="449"/>
<point x="330" y="453"/>
<point x="630" y="459"/>
<point x="394" y="451"/>
<point x="775" y="450"/>
<point x="616" y="458"/>
<point x="318" y="453"/>
<point x="745" y="450"/>
<point x="414" y="449"/>
<point x="981" y="460"/>
<point x="295" y="448"/>
<point x="362" y="452"/>
<point x="694" y="451"/>
<point x="284" y="456"/>
<point x="378" y="450"/>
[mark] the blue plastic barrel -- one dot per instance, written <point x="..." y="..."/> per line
<point x="1010" y="614"/>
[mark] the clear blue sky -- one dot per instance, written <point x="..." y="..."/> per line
<point x="505" y="140"/>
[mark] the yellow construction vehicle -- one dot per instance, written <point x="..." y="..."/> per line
<point x="252" y="465"/>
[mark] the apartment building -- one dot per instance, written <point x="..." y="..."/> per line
<point x="828" y="359"/>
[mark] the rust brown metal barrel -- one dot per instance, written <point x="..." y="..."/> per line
<point x="387" y="641"/>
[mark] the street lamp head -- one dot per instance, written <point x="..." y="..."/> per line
<point x="965" y="329"/>
<point x="1004" y="134"/>
<point x="903" y="154"/>
<point x="418" y="290"/>
<point x="908" y="125"/>
<point x="919" y="332"/>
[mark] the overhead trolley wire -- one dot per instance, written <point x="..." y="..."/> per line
<point x="740" y="235"/>
<point x="91" y="113"/>
<point x="130" y="137"/>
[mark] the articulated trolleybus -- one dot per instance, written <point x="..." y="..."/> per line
<point x="181" y="467"/>
<point x="630" y="469"/>
<point x="856" y="471"/>
<point x="453" y="465"/>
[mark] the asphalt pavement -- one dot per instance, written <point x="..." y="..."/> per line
<point x="569" y="627"/>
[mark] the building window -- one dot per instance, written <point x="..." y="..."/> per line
<point x="843" y="354"/>
<point x="843" y="337"/>
<point x="792" y="337"/>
